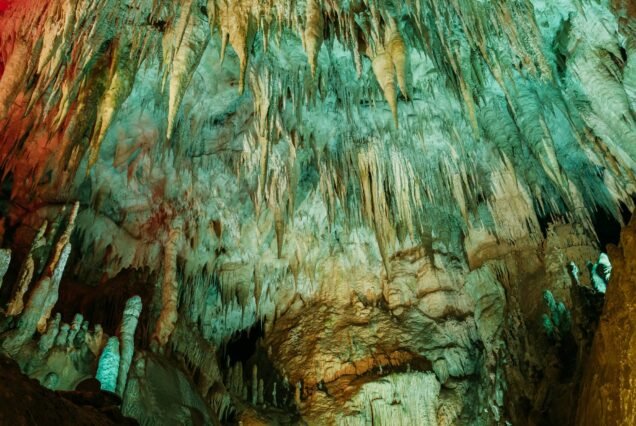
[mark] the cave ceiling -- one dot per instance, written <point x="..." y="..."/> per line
<point x="253" y="157"/>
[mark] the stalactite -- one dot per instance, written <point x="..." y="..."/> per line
<point x="121" y="79"/>
<point x="13" y="76"/>
<point x="313" y="33"/>
<point x="384" y="71"/>
<point x="189" y="39"/>
<point x="396" y="48"/>
<point x="279" y="226"/>
<point x="239" y="26"/>
<point x="126" y="333"/>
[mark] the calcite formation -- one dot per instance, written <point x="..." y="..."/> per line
<point x="126" y="332"/>
<point x="108" y="367"/>
<point x="331" y="212"/>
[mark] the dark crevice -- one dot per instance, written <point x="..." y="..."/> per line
<point x="242" y="346"/>
<point x="608" y="227"/>
<point x="104" y="303"/>
<point x="246" y="348"/>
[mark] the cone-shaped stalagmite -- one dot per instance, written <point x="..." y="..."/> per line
<point x="5" y="259"/>
<point x="45" y="294"/>
<point x="169" y="288"/>
<point x="26" y="274"/>
<point x="127" y="328"/>
<point x="108" y="366"/>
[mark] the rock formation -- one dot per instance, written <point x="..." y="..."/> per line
<point x="332" y="212"/>
<point x="607" y="390"/>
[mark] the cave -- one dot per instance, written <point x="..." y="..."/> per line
<point x="318" y="212"/>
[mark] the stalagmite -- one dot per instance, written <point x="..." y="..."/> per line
<point x="94" y="340"/>
<point x="260" y="398"/>
<point x="38" y="307"/>
<point x="50" y="381"/>
<point x="108" y="366"/>
<point x="49" y="337"/>
<point x="62" y="336"/>
<point x="16" y="305"/>
<point x="274" y="400"/>
<point x="80" y="338"/>
<point x="254" y="385"/>
<point x="169" y="287"/>
<point x="297" y="394"/>
<point x="51" y="286"/>
<point x="126" y="333"/>
<point x="5" y="259"/>
<point x="54" y="270"/>
<point x="76" y="325"/>
<point x="45" y="294"/>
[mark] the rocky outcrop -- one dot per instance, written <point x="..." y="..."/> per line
<point x="25" y="402"/>
<point x="608" y="390"/>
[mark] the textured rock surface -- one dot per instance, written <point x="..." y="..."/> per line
<point x="320" y="204"/>
<point x="609" y="385"/>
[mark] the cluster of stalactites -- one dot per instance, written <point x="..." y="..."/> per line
<point x="84" y="59"/>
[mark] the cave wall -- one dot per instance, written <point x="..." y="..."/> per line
<point x="386" y="190"/>
<point x="607" y="391"/>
